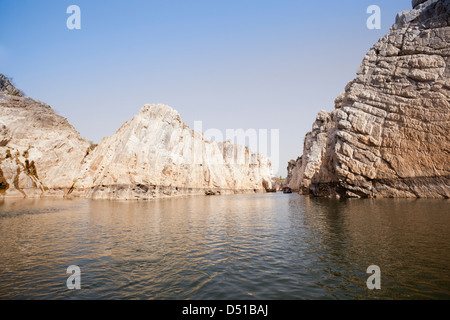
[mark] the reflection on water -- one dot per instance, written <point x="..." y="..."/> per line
<point x="267" y="246"/>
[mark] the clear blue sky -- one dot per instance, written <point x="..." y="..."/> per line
<point x="230" y="63"/>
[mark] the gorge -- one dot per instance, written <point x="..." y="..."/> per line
<point x="386" y="137"/>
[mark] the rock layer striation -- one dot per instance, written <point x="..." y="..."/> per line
<point x="388" y="135"/>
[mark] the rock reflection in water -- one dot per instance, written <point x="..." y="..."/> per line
<point x="266" y="246"/>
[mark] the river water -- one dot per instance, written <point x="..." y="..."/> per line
<point x="263" y="246"/>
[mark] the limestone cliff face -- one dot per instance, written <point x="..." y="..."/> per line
<point x="293" y="178"/>
<point x="388" y="135"/>
<point x="153" y="155"/>
<point x="40" y="152"/>
<point x="156" y="154"/>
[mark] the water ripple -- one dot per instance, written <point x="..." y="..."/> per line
<point x="270" y="246"/>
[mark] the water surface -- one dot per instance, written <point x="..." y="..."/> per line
<point x="266" y="246"/>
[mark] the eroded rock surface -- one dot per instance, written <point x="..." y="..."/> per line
<point x="40" y="152"/>
<point x="388" y="135"/>
<point x="156" y="154"/>
<point x="293" y="178"/>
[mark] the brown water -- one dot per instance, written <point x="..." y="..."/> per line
<point x="267" y="246"/>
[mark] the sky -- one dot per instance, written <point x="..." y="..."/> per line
<point x="232" y="64"/>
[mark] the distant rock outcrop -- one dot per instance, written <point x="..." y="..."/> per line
<point x="153" y="155"/>
<point x="156" y="154"/>
<point x="388" y="135"/>
<point x="292" y="180"/>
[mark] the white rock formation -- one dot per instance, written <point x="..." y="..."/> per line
<point x="40" y="152"/>
<point x="153" y="155"/>
<point x="156" y="154"/>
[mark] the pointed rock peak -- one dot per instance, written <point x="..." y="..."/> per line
<point x="159" y="111"/>
<point x="6" y="87"/>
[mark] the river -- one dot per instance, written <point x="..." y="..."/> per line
<point x="259" y="246"/>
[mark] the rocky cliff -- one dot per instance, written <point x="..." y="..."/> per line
<point x="388" y="135"/>
<point x="40" y="152"/>
<point x="153" y="155"/>
<point x="292" y="180"/>
<point x="156" y="154"/>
